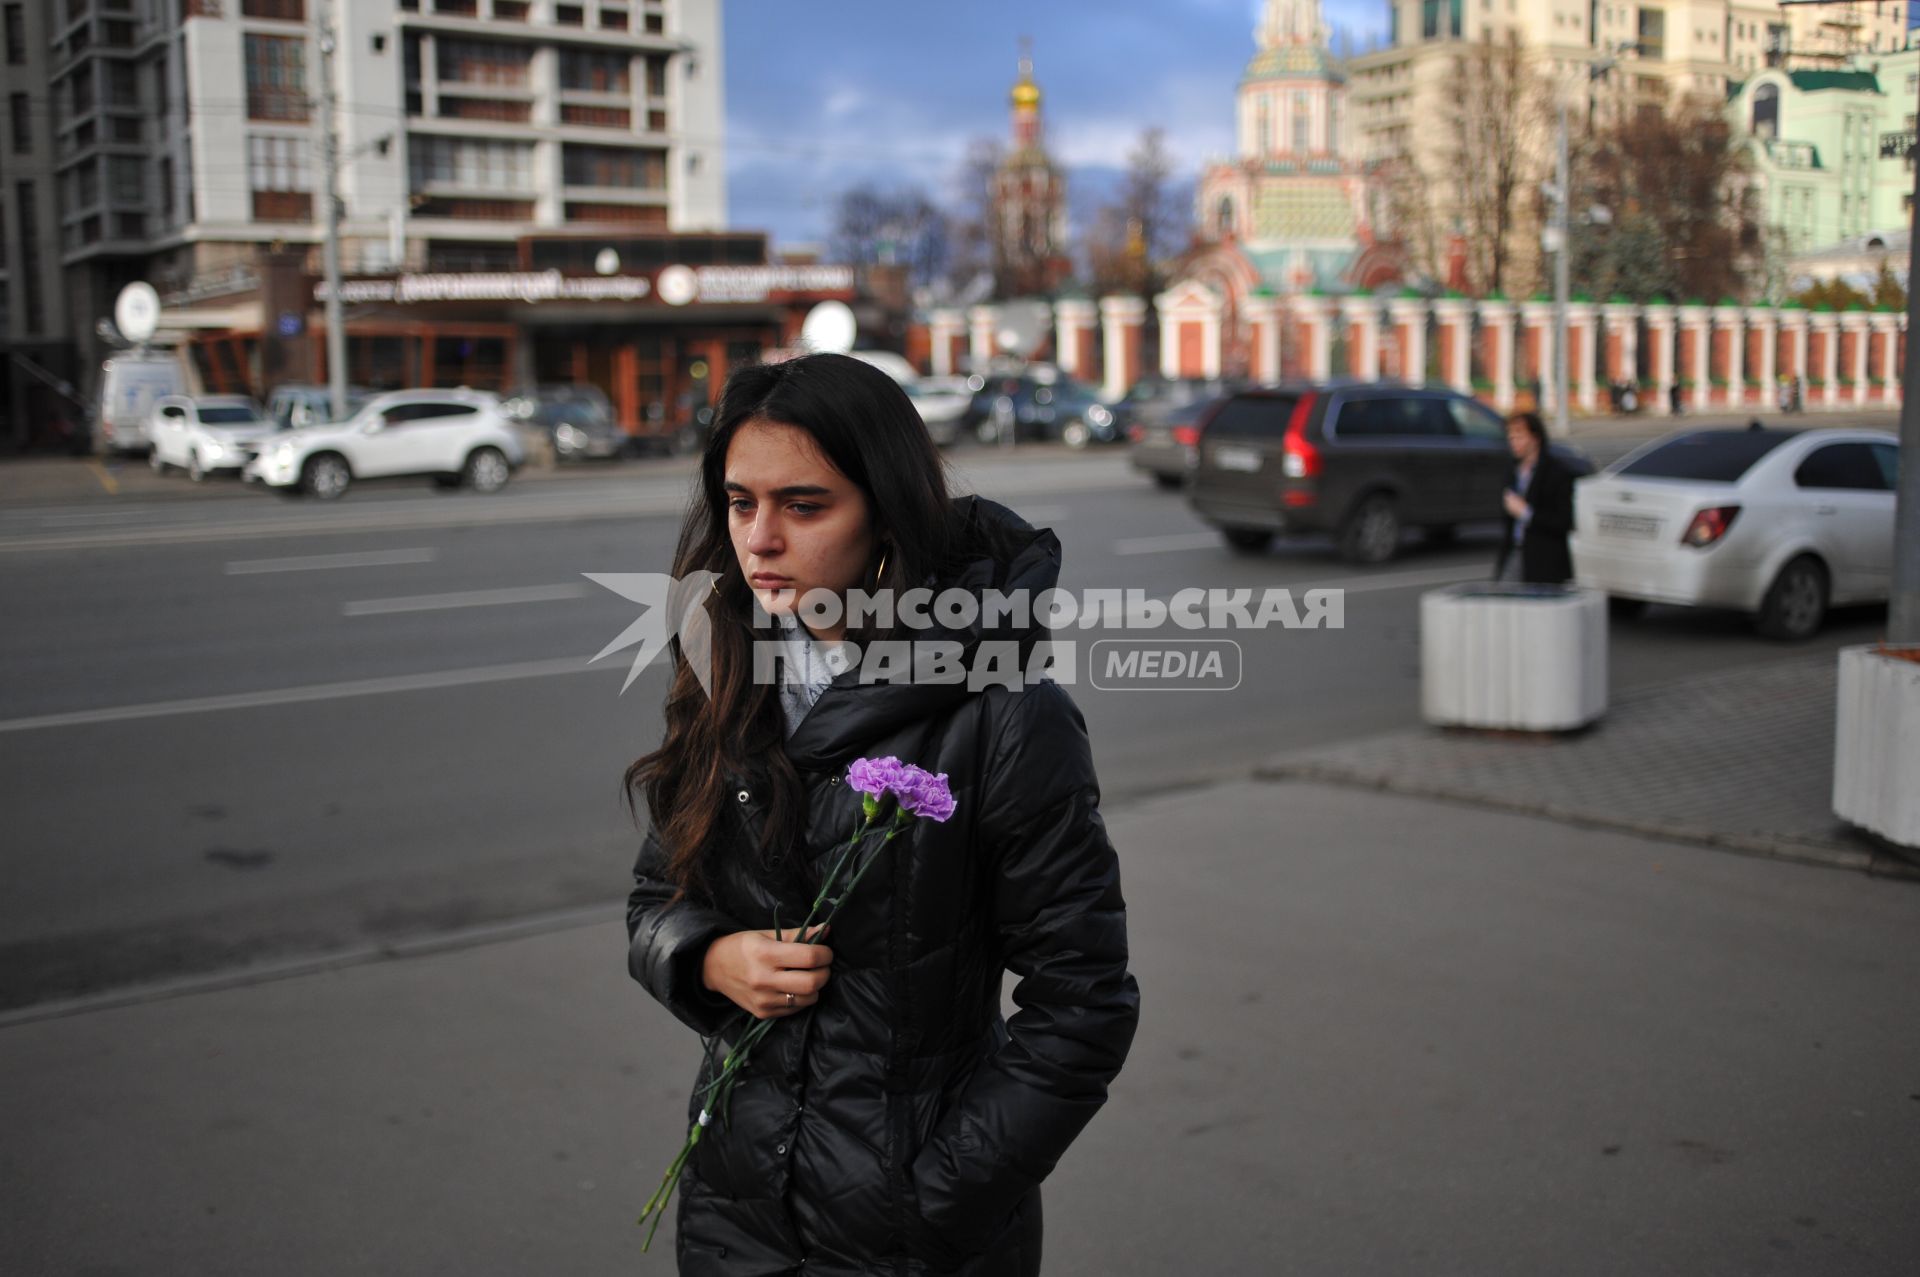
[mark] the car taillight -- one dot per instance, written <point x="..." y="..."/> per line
<point x="1187" y="436"/>
<point x="1709" y="525"/>
<point x="1136" y="433"/>
<point x="1299" y="459"/>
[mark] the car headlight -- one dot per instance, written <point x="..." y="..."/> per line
<point x="570" y="435"/>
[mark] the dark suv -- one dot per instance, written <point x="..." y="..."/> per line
<point x="1364" y="462"/>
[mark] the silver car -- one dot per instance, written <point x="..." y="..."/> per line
<point x="1782" y="524"/>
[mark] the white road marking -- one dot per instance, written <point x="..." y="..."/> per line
<point x="1168" y="544"/>
<point x="311" y="693"/>
<point x="313" y="562"/>
<point x="465" y="598"/>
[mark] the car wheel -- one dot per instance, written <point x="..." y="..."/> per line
<point x="326" y="477"/>
<point x="1075" y="434"/>
<point x="1625" y="609"/>
<point x="1168" y="481"/>
<point x="196" y="471"/>
<point x="1371" y="533"/>
<point x="154" y="462"/>
<point x="1796" y="602"/>
<point x="486" y="471"/>
<point x="1247" y="540"/>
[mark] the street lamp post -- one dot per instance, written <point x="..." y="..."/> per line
<point x="330" y="255"/>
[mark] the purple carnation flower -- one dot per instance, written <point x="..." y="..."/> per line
<point x="918" y="791"/>
<point x="926" y="795"/>
<point x="876" y="776"/>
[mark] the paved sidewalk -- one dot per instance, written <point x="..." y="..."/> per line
<point x="1378" y="1035"/>
<point x="1740" y="760"/>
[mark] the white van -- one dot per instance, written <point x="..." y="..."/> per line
<point x="129" y="386"/>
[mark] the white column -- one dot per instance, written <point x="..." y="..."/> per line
<point x="1073" y="317"/>
<point x="1317" y="313"/>
<point x="1409" y="318"/>
<point x="942" y="327"/>
<point x="1455" y="317"/>
<point x="1855" y="322"/>
<point x="1537" y="317"/>
<point x="1262" y="313"/>
<point x="1731" y="320"/>
<point x="1761" y="319"/>
<point x="1581" y="334"/>
<point x="1364" y="311"/>
<point x="1828" y="324"/>
<point x="1694" y="319"/>
<point x="1121" y="319"/>
<point x="983" y="320"/>
<point x="1660" y="356"/>
<point x="1887" y="326"/>
<point x="1496" y="317"/>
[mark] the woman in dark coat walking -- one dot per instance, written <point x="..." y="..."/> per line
<point x="898" y="1124"/>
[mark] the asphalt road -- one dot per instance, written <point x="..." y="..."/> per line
<point x="240" y="729"/>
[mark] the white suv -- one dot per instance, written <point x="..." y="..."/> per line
<point x="455" y="436"/>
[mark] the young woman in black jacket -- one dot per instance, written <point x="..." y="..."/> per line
<point x="898" y="1123"/>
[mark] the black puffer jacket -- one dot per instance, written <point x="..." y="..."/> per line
<point x="902" y="1126"/>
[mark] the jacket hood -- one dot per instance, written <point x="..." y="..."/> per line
<point x="996" y="550"/>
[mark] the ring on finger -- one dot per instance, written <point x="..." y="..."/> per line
<point x="789" y="1002"/>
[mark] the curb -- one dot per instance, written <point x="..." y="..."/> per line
<point x="265" y="973"/>
<point x="1877" y="863"/>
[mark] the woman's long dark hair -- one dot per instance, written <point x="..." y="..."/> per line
<point x="865" y="425"/>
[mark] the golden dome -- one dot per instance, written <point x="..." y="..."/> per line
<point x="1026" y="96"/>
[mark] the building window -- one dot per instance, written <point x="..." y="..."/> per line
<point x="276" y="77"/>
<point x="166" y="190"/>
<point x="1262" y="128"/>
<point x="280" y="175"/>
<point x="569" y="15"/>
<point x="32" y="314"/>
<point x="656" y="77"/>
<point x="481" y="62"/>
<point x="22" y="124"/>
<point x="616" y="167"/>
<point x="475" y="163"/>
<point x="126" y="183"/>
<point x="595" y="71"/>
<point x="1653" y="34"/>
<point x="510" y="10"/>
<point x="613" y="19"/>
<point x="1766" y="112"/>
<point x="1302" y="124"/>
<point x="16" y="35"/>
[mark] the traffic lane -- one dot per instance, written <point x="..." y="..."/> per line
<point x="109" y="628"/>
<point x="157" y="848"/>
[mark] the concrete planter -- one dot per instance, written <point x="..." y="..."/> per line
<point x="1525" y="657"/>
<point x="1876" y="754"/>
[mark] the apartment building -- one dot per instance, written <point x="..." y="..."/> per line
<point x="179" y="141"/>
<point x="1402" y="93"/>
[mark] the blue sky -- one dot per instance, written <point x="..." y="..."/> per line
<point x="822" y="96"/>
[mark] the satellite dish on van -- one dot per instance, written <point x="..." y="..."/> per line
<point x="136" y="312"/>
<point x="829" y="327"/>
<point x="1022" y="327"/>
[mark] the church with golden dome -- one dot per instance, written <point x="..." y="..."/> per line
<point x="1293" y="212"/>
<point x="1029" y="202"/>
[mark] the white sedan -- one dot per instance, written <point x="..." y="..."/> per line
<point x="204" y="434"/>
<point x="457" y="437"/>
<point x="1778" y="523"/>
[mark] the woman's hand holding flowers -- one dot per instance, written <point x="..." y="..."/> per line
<point x="757" y="970"/>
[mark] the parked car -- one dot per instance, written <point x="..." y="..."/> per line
<point x="1363" y="461"/>
<point x="1782" y="524"/>
<point x="577" y="421"/>
<point x="455" y="436"/>
<point x="130" y="384"/>
<point x="1170" y="448"/>
<point x="942" y="402"/>
<point x="1152" y="400"/>
<point x="1026" y="407"/>
<point x="205" y="434"/>
<point x="297" y="404"/>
